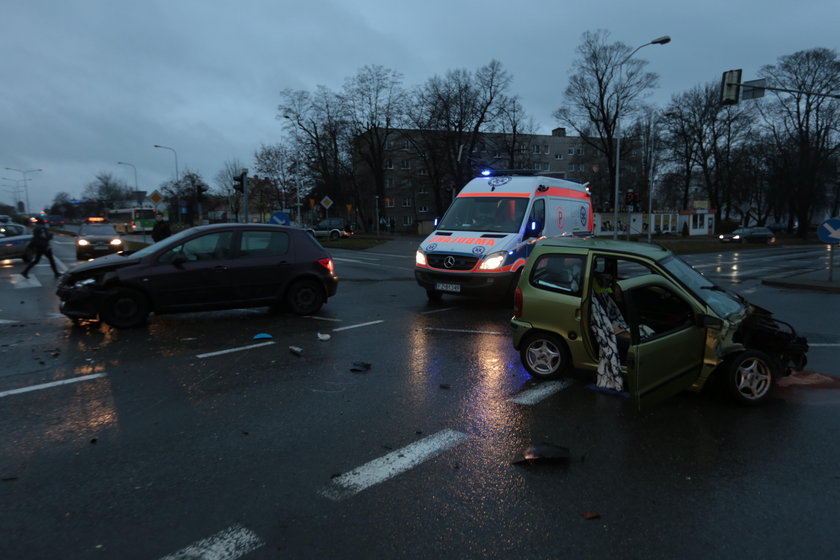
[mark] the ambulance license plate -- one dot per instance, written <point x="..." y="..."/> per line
<point x="442" y="287"/>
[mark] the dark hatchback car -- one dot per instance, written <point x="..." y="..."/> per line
<point x="220" y="266"/>
<point x="95" y="240"/>
<point x="749" y="235"/>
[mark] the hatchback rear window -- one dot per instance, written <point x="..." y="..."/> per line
<point x="558" y="273"/>
<point x="263" y="244"/>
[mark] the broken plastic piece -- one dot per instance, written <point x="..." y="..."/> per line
<point x="296" y="350"/>
<point x="360" y="367"/>
<point x="545" y="452"/>
<point x="323" y="336"/>
<point x="261" y="335"/>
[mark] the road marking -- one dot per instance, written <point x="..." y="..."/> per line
<point x="229" y="544"/>
<point x="359" y="325"/>
<point x="535" y="395"/>
<point x="231" y="350"/>
<point x="323" y="318"/>
<point x="436" y="310"/>
<point x="467" y="331"/>
<point x="18" y="281"/>
<point x="51" y="384"/>
<point x="823" y="344"/>
<point x="392" y="464"/>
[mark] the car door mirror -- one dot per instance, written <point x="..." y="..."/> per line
<point x="708" y="321"/>
<point x="179" y="259"/>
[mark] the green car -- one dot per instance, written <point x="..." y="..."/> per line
<point x="670" y="328"/>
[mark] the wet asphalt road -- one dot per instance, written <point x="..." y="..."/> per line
<point x="167" y="446"/>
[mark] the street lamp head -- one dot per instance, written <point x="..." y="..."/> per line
<point x="661" y="40"/>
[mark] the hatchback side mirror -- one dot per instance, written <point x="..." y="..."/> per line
<point x="708" y="321"/>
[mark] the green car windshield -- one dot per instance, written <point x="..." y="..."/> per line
<point x="723" y="303"/>
<point x="485" y="213"/>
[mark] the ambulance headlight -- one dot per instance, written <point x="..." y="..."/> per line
<point x="493" y="261"/>
<point x="420" y="258"/>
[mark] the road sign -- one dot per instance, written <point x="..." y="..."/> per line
<point x="829" y="231"/>
<point x="155" y="197"/>
<point x="326" y="202"/>
<point x="280" y="218"/>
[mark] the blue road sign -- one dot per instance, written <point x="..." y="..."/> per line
<point x="280" y="218"/>
<point x="829" y="231"/>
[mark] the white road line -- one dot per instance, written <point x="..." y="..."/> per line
<point x="467" y="331"/>
<point x="333" y="319"/>
<point x="823" y="344"/>
<point x="436" y="310"/>
<point x="357" y="326"/>
<point x="535" y="395"/>
<point x="18" y="281"/>
<point x="229" y="544"/>
<point x="392" y="464"/>
<point x="231" y="350"/>
<point x="51" y="384"/>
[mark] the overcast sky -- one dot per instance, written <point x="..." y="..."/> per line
<point x="87" y="83"/>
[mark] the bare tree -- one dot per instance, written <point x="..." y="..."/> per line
<point x="451" y="113"/>
<point x="605" y="84"/>
<point x="107" y="190"/>
<point x="375" y="102"/>
<point x="804" y="123"/>
<point x="278" y="163"/>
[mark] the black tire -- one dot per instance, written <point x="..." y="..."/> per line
<point x="124" y="308"/>
<point x="305" y="297"/>
<point x="750" y="376"/>
<point x="434" y="296"/>
<point x="334" y="235"/>
<point x="545" y="355"/>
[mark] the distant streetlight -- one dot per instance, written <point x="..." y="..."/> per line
<point x="136" y="188"/>
<point x="658" y="41"/>
<point x="17" y="190"/>
<point x="177" y="178"/>
<point x="25" y="183"/>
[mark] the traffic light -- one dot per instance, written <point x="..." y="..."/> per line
<point x="730" y="87"/>
<point x="628" y="198"/>
<point x="239" y="181"/>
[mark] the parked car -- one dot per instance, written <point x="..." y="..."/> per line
<point x="333" y="228"/>
<point x="749" y="235"/>
<point x="14" y="242"/>
<point x="219" y="266"/>
<point x="97" y="239"/>
<point x="682" y="329"/>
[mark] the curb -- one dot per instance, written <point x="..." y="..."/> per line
<point x="814" y="285"/>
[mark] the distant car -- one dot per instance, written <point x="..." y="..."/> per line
<point x="5" y="219"/>
<point x="681" y="329"/>
<point x="97" y="239"/>
<point x="14" y="242"/>
<point x="749" y="235"/>
<point x="218" y="266"/>
<point x="332" y="228"/>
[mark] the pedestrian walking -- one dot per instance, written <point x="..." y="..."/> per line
<point x="161" y="229"/>
<point x="41" y="246"/>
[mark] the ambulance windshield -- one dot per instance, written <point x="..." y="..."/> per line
<point x="485" y="213"/>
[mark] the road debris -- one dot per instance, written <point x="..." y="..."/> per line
<point x="544" y="453"/>
<point x="296" y="350"/>
<point x="360" y="367"/>
<point x="261" y="336"/>
<point x="323" y="336"/>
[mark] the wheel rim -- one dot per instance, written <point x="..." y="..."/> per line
<point x="125" y="308"/>
<point x="753" y="378"/>
<point x="543" y="357"/>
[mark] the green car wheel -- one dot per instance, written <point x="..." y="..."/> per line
<point x="545" y="355"/>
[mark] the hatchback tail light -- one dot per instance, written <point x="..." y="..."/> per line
<point x="517" y="302"/>
<point x="328" y="264"/>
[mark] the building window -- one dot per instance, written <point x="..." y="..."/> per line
<point x="389" y="182"/>
<point x="535" y="149"/>
<point x="422" y="190"/>
<point x="497" y="155"/>
<point x="558" y="156"/>
<point x="388" y="164"/>
<point x="406" y="145"/>
<point x="571" y="151"/>
<point x="407" y="220"/>
<point x="405" y="164"/>
<point x="406" y="203"/>
<point x="389" y="202"/>
<point x="579" y="151"/>
<point x="389" y="144"/>
<point x="422" y="171"/>
<point x="423" y="209"/>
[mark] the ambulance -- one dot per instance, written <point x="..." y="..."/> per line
<point x="482" y="242"/>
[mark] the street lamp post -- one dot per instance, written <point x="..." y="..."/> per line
<point x="136" y="188"/>
<point x="176" y="174"/>
<point x="658" y="41"/>
<point x="16" y="192"/>
<point x="25" y="183"/>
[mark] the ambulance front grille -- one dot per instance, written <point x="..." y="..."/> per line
<point x="455" y="262"/>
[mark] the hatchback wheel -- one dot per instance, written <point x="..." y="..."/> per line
<point x="305" y="297"/>
<point x="545" y="355"/>
<point x="124" y="308"/>
<point x="750" y="376"/>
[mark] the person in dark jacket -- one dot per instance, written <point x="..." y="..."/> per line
<point x="41" y="245"/>
<point x="161" y="230"/>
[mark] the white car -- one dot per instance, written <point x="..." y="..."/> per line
<point x="14" y="242"/>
